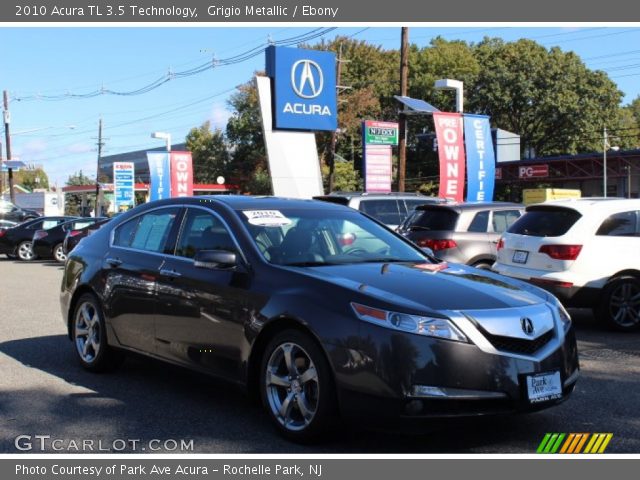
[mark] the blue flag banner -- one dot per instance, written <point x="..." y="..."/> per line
<point x="481" y="159"/>
<point x="159" y="175"/>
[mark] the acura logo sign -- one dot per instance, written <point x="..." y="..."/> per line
<point x="307" y="79"/>
<point x="527" y="326"/>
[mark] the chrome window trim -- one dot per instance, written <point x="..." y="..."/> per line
<point x="173" y="255"/>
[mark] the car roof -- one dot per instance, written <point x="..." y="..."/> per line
<point x="247" y="202"/>
<point x="459" y="207"/>
<point x="588" y="204"/>
<point x="377" y="195"/>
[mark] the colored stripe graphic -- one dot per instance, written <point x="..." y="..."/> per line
<point x="573" y="443"/>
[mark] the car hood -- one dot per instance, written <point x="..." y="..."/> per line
<point x="431" y="286"/>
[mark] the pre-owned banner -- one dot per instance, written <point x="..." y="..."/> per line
<point x="481" y="160"/>
<point x="449" y="131"/>
<point x="159" y="178"/>
<point x="181" y="174"/>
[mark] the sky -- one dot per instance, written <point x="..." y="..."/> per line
<point x="44" y="68"/>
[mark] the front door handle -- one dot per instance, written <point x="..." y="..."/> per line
<point x="170" y="273"/>
<point x="114" y="262"/>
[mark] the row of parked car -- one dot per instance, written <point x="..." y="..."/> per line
<point x="45" y="237"/>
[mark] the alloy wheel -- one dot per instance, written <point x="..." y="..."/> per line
<point x="87" y="332"/>
<point x="624" y="304"/>
<point x="58" y="254"/>
<point x="292" y="386"/>
<point x="25" y="251"/>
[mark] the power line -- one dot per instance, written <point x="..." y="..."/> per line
<point x="209" y="65"/>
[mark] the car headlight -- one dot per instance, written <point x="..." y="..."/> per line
<point x="419" y="325"/>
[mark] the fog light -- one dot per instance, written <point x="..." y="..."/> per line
<point x="427" y="391"/>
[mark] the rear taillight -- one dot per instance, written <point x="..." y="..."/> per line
<point x="2" y="232"/>
<point x="40" y="234"/>
<point x="500" y="245"/>
<point x="436" y="245"/>
<point x="73" y="233"/>
<point x="561" y="252"/>
<point x="551" y="283"/>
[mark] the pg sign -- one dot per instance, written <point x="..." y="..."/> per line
<point x="304" y="88"/>
<point x="533" y="171"/>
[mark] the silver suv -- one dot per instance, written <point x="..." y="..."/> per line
<point x="463" y="232"/>
<point x="388" y="208"/>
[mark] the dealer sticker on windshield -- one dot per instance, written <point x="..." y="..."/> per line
<point x="267" y="218"/>
<point x="544" y="387"/>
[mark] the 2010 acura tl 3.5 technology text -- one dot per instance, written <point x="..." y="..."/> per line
<point x="317" y="309"/>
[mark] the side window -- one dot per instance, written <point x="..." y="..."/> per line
<point x="503" y="219"/>
<point x="480" y="222"/>
<point x="36" y="225"/>
<point x="147" y="232"/>
<point x="385" y="211"/>
<point x="203" y="231"/>
<point x="622" y="224"/>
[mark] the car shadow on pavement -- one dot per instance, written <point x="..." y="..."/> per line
<point x="147" y="399"/>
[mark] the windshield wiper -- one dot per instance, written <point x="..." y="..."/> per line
<point x="384" y="260"/>
<point x="419" y="227"/>
<point x="306" y="264"/>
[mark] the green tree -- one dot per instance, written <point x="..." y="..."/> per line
<point x="347" y="178"/>
<point x="248" y="164"/>
<point x="549" y="97"/>
<point x="209" y="152"/>
<point x="73" y="201"/>
<point x="32" y="179"/>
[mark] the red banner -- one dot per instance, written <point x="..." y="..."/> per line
<point x="449" y="131"/>
<point x="181" y="174"/>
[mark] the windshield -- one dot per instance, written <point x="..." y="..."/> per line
<point x="300" y="237"/>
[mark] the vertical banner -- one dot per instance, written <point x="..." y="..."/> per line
<point x="449" y="131"/>
<point x="181" y="174"/>
<point x="123" y="185"/>
<point x="481" y="161"/>
<point x="159" y="178"/>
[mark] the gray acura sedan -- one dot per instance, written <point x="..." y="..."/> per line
<point x="317" y="310"/>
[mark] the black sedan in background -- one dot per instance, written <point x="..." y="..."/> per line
<point x="17" y="241"/>
<point x="47" y="242"/>
<point x="73" y="237"/>
<point x="317" y="310"/>
<point x="13" y="213"/>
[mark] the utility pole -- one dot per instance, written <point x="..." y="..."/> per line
<point x="1" y="172"/>
<point x="605" y="145"/>
<point x="100" y="145"/>
<point x="7" y="121"/>
<point x="334" y="134"/>
<point x="402" y="131"/>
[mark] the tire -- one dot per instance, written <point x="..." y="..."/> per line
<point x="58" y="254"/>
<point x="24" y="252"/>
<point x="619" y="307"/>
<point x="298" y="394"/>
<point x="482" y="265"/>
<point x="89" y="336"/>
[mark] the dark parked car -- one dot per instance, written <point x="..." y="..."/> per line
<point x="463" y="233"/>
<point x="13" y="213"/>
<point x="73" y="237"/>
<point x="17" y="241"/>
<point x="47" y="243"/>
<point x="277" y="295"/>
<point x="388" y="208"/>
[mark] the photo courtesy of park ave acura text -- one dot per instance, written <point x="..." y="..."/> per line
<point x="314" y="237"/>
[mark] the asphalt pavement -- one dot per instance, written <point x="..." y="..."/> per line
<point x="46" y="396"/>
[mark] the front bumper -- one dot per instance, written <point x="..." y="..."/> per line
<point x="377" y="380"/>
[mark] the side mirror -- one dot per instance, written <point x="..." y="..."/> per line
<point x="215" y="259"/>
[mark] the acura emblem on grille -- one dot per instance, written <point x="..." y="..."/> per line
<point x="527" y="326"/>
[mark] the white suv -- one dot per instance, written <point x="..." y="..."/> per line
<point x="584" y="251"/>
